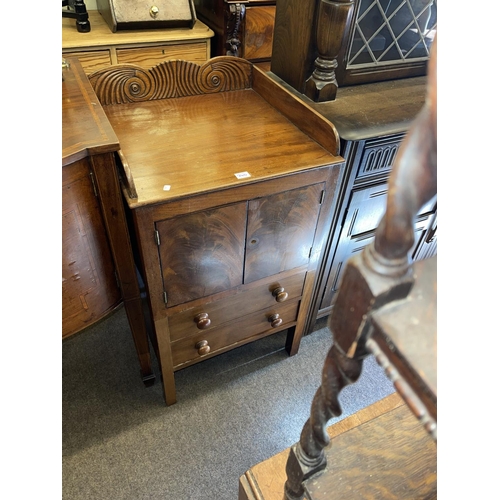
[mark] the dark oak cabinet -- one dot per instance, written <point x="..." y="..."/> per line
<point x="362" y="208"/>
<point x="321" y="45"/>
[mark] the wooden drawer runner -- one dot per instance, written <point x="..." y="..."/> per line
<point x="245" y="329"/>
<point x="148" y="57"/>
<point x="91" y="61"/>
<point x="242" y="302"/>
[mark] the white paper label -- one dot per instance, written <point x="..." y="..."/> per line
<point x="242" y="175"/>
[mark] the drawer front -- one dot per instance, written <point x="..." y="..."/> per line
<point x="253" y="325"/>
<point x="91" y="61"/>
<point x="147" y="57"/>
<point x="378" y="156"/>
<point x="142" y="10"/>
<point x="258" y="35"/>
<point x="243" y="302"/>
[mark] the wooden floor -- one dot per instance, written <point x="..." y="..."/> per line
<point x="381" y="452"/>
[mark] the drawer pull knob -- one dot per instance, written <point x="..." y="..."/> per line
<point x="275" y="320"/>
<point x="203" y="347"/>
<point x="153" y="11"/>
<point x="202" y="321"/>
<point x="279" y="294"/>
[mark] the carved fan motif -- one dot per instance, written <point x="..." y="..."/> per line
<point x="130" y="83"/>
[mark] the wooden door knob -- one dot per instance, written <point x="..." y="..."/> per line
<point x="275" y="320"/>
<point x="279" y="294"/>
<point x="203" y="347"/>
<point x="202" y="321"/>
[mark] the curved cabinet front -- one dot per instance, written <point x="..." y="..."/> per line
<point x="89" y="285"/>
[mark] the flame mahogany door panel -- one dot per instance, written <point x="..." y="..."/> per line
<point x="281" y="231"/>
<point x="202" y="252"/>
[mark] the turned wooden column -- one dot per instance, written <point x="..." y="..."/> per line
<point x="332" y="19"/>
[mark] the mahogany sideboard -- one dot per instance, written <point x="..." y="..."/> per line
<point x="100" y="47"/>
<point x="230" y="182"/>
<point x="97" y="261"/>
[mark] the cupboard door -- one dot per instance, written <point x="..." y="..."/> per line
<point x="280" y="231"/>
<point x="366" y="208"/>
<point x="427" y="247"/>
<point x="202" y="253"/>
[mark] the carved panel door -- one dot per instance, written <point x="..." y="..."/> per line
<point x="363" y="215"/>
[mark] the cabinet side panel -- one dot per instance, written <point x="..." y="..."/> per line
<point x="202" y="253"/>
<point x="293" y="45"/>
<point x="89" y="286"/>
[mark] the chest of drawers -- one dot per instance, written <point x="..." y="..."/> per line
<point x="101" y="48"/>
<point x="229" y="181"/>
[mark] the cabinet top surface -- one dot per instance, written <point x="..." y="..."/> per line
<point x="101" y="35"/>
<point x="85" y="127"/>
<point x="372" y="110"/>
<point x="183" y="146"/>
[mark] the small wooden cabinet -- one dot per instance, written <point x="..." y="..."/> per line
<point x="242" y="29"/>
<point x="101" y="48"/>
<point x="230" y="182"/>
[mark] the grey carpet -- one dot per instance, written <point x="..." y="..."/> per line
<point x="121" y="442"/>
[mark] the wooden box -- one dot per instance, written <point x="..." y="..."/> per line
<point x="141" y="14"/>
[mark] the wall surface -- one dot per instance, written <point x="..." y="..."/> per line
<point x="91" y="4"/>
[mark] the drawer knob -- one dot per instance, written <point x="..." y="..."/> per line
<point x="202" y="321"/>
<point x="279" y="294"/>
<point x="275" y="320"/>
<point x="153" y="11"/>
<point x="203" y="347"/>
